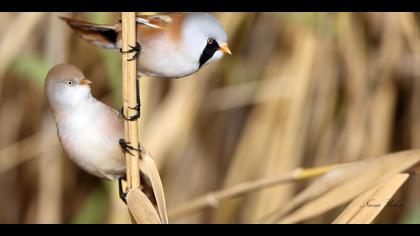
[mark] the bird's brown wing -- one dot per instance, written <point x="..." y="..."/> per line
<point x="148" y="26"/>
<point x="104" y="36"/>
<point x="160" y="20"/>
<point x="169" y="23"/>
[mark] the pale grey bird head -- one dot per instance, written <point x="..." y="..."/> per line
<point x="66" y="87"/>
<point x="204" y="38"/>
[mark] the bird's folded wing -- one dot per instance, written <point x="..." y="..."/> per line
<point x="156" y="21"/>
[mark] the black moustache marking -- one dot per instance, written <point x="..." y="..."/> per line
<point x="208" y="52"/>
<point x="109" y="34"/>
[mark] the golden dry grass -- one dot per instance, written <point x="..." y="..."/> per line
<point x="301" y="91"/>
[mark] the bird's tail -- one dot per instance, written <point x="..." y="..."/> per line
<point x="104" y="36"/>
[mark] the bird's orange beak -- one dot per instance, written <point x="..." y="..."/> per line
<point x="224" y="48"/>
<point x="85" y="82"/>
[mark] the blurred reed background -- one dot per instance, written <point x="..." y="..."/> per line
<point x="301" y="90"/>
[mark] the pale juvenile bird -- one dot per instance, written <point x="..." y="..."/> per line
<point x="90" y="131"/>
<point x="172" y="46"/>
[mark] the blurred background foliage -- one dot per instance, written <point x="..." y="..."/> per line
<point x="301" y="90"/>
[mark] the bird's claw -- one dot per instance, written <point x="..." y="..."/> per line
<point x="136" y="107"/>
<point x="127" y="148"/>
<point x="122" y="194"/>
<point x="133" y="117"/>
<point x="135" y="49"/>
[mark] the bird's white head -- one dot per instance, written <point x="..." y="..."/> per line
<point x="204" y="38"/>
<point x="66" y="87"/>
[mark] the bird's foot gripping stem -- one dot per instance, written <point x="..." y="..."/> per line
<point x="136" y="107"/>
<point x="133" y="117"/>
<point x="127" y="148"/>
<point x="122" y="194"/>
<point x="135" y="49"/>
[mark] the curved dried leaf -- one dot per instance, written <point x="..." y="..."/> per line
<point x="343" y="184"/>
<point x="154" y="176"/>
<point x="358" y="212"/>
<point x="141" y="208"/>
<point x="320" y="186"/>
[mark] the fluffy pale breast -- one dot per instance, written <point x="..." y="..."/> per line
<point x="160" y="57"/>
<point x="90" y="137"/>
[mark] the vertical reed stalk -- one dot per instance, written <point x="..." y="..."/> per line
<point x="129" y="69"/>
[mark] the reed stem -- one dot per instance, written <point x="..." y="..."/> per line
<point x="129" y="68"/>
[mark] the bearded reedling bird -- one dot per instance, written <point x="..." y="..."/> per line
<point x="90" y="132"/>
<point x="172" y="46"/>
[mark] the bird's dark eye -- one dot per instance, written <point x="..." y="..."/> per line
<point x="210" y="41"/>
<point x="68" y="82"/>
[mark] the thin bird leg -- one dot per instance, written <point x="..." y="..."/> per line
<point x="122" y="194"/>
<point x="135" y="49"/>
<point x="146" y="188"/>
<point x="127" y="148"/>
<point x="137" y="107"/>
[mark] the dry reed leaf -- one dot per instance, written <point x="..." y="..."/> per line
<point x="256" y="139"/>
<point x="341" y="185"/>
<point x="50" y="205"/>
<point x="154" y="176"/>
<point x="289" y="129"/>
<point x="320" y="186"/>
<point x="240" y="95"/>
<point x="353" y="46"/>
<point x="212" y="199"/>
<point x="355" y="213"/>
<point x="15" y="37"/>
<point x="141" y="208"/>
<point x="174" y="128"/>
<point x="27" y="149"/>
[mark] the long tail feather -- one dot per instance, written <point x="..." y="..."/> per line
<point x="104" y="36"/>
